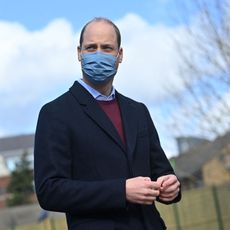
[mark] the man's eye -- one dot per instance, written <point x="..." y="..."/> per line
<point x="108" y="48"/>
<point x="89" y="48"/>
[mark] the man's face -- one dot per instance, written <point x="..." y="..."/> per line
<point x="100" y="36"/>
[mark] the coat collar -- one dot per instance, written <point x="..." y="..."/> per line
<point x="92" y="109"/>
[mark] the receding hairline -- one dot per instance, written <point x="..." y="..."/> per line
<point x="101" y="19"/>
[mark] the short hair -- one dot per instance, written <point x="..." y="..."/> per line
<point x="101" y="19"/>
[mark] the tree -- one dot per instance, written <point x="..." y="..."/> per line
<point x="204" y="69"/>
<point x="21" y="183"/>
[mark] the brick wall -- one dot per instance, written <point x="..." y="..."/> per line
<point x="4" y="181"/>
<point x="215" y="172"/>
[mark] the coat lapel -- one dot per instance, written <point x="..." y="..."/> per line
<point x="130" y="123"/>
<point x="93" y="110"/>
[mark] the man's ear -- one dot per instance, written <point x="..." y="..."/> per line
<point x="79" y="53"/>
<point x="120" y="55"/>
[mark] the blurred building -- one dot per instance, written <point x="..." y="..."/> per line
<point x="185" y="144"/>
<point x="204" y="163"/>
<point x="11" y="151"/>
<point x="12" y="148"/>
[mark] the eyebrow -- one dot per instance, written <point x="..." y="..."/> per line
<point x="91" y="44"/>
<point x="102" y="45"/>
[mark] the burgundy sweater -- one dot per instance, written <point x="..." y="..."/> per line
<point x="111" y="108"/>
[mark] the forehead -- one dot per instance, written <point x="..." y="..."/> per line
<point x="99" y="32"/>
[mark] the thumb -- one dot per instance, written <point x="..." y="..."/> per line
<point x="162" y="179"/>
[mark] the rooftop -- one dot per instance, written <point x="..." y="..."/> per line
<point x="16" y="142"/>
<point x="191" y="162"/>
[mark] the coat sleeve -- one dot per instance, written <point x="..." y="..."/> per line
<point x="55" y="188"/>
<point x="159" y="163"/>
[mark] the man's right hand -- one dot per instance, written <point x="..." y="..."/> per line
<point x="142" y="190"/>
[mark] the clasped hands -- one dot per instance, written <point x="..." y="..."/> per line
<point x="142" y="190"/>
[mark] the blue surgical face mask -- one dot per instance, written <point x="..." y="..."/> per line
<point x="98" y="67"/>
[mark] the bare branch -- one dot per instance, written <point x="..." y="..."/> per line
<point x="204" y="69"/>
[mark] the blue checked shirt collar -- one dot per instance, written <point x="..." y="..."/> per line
<point x="97" y="95"/>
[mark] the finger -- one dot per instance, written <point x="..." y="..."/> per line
<point x="165" y="181"/>
<point x="148" y="195"/>
<point x="152" y="192"/>
<point x="171" y="187"/>
<point x="168" y="198"/>
<point x="171" y="183"/>
<point x="170" y="194"/>
<point x="146" y="199"/>
<point x="161" y="179"/>
<point x="153" y="185"/>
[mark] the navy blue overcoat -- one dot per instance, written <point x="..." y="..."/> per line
<point x="81" y="164"/>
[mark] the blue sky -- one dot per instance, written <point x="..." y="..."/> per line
<point x="38" y="42"/>
<point x="36" y="14"/>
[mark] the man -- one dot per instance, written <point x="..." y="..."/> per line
<point x="97" y="152"/>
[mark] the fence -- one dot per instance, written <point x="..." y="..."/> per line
<point x="200" y="209"/>
<point x="48" y="224"/>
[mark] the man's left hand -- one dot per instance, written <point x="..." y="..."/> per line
<point x="170" y="187"/>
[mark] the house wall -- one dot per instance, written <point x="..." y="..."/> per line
<point x="215" y="172"/>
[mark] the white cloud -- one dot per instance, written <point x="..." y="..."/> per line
<point x="33" y="62"/>
<point x="150" y="59"/>
<point x="37" y="66"/>
<point x="48" y="56"/>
